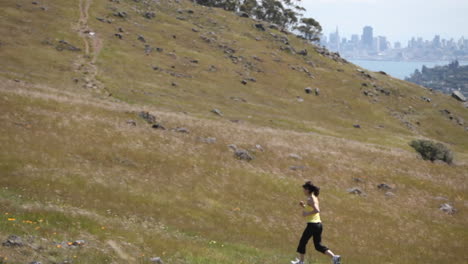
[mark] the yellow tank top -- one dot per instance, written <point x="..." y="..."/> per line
<point x="315" y="218"/>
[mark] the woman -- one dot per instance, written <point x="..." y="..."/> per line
<point x="314" y="225"/>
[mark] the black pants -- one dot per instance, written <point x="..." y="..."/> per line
<point x="312" y="230"/>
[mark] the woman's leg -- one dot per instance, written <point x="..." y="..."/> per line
<point x="306" y="235"/>
<point x="317" y="233"/>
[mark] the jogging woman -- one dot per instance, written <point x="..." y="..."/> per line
<point x="314" y="225"/>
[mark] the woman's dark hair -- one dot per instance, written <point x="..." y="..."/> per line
<point x="311" y="188"/>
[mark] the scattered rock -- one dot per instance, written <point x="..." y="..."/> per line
<point x="64" y="45"/>
<point x="243" y="14"/>
<point x="358" y="180"/>
<point x="298" y="168"/>
<point x="34" y="2"/>
<point x="232" y="147"/>
<point x="317" y="91"/>
<point x="426" y="99"/>
<point x="244" y="82"/>
<point x="147" y="117"/>
<point x="13" y="241"/>
<point x="448" y="209"/>
<point x="182" y="130"/>
<point x="156" y="260"/>
<point x="357" y="126"/>
<point x="79" y="243"/>
<point x="149" y="15"/>
<point x="260" y="27"/>
<point x="141" y="38"/>
<point x="259" y="147"/>
<point x="302" y="52"/>
<point x="294" y="156"/>
<point x="384" y="186"/>
<point x="37" y="262"/>
<point x="383" y="73"/>
<point x="208" y="140"/>
<point x="118" y="35"/>
<point x="355" y="191"/>
<point x="121" y="14"/>
<point x="300" y="99"/>
<point x="243" y="154"/>
<point x="195" y="30"/>
<point x="131" y="122"/>
<point x="217" y="112"/>
<point x="308" y="90"/>
<point x="389" y="194"/>
<point x="194" y="61"/>
<point x="459" y="96"/>
<point x="158" y="126"/>
<point x="274" y="26"/>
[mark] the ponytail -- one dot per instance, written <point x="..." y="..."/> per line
<point x="311" y="188"/>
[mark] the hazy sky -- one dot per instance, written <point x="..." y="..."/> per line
<point x="399" y="20"/>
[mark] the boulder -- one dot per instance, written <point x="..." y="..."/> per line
<point x="141" y="38"/>
<point x="217" y="112"/>
<point x="448" y="209"/>
<point x="308" y="90"/>
<point x="232" y="147"/>
<point x="294" y="156"/>
<point x="147" y="117"/>
<point x="357" y="126"/>
<point x="121" y="14"/>
<point x="243" y="154"/>
<point x="13" y="241"/>
<point x="182" y="130"/>
<point x="459" y="96"/>
<point x="149" y="15"/>
<point x="355" y="191"/>
<point x="260" y="27"/>
<point x="158" y="126"/>
<point x="156" y="260"/>
<point x="243" y="14"/>
<point x="384" y="186"/>
<point x="317" y="91"/>
<point x="303" y="52"/>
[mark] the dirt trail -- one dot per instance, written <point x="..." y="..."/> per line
<point x="86" y="64"/>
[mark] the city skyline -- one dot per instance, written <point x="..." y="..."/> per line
<point x="398" y="19"/>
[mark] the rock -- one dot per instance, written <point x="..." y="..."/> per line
<point x="383" y="73"/>
<point x="389" y="194"/>
<point x="426" y="99"/>
<point x="384" y="186"/>
<point x="147" y="117"/>
<point x="252" y="79"/>
<point x="159" y="49"/>
<point x="355" y="191"/>
<point x="118" y="35"/>
<point x="120" y="14"/>
<point x="448" y="209"/>
<point x="244" y="82"/>
<point x="243" y="14"/>
<point x="156" y="260"/>
<point x="35" y="262"/>
<point x="300" y="99"/>
<point x="158" y="126"/>
<point x="208" y="140"/>
<point x="79" y="243"/>
<point x="459" y="96"/>
<point x="141" y="38"/>
<point x="260" y="27"/>
<point x="194" y="61"/>
<point x="131" y="122"/>
<point x="13" y="241"/>
<point x="217" y="112"/>
<point x="317" y="91"/>
<point x="294" y="156"/>
<point x="298" y="168"/>
<point x="259" y="147"/>
<point x="308" y="90"/>
<point x="274" y="26"/>
<point x="149" y="15"/>
<point x="243" y="154"/>
<point x="302" y="52"/>
<point x="357" y="126"/>
<point x="182" y="130"/>
<point x="358" y="180"/>
<point x="195" y="30"/>
<point x="232" y="147"/>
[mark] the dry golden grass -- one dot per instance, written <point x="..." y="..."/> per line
<point x="69" y="158"/>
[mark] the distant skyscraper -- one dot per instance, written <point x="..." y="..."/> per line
<point x="355" y="39"/>
<point x="383" y="45"/>
<point x="436" y="42"/>
<point x="368" y="37"/>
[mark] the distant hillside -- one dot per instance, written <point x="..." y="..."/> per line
<point x="443" y="78"/>
<point x="138" y="129"/>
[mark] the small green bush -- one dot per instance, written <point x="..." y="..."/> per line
<point x="432" y="151"/>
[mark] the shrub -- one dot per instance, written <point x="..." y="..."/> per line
<point x="432" y="151"/>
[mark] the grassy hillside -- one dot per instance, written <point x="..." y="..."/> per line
<point x="74" y="168"/>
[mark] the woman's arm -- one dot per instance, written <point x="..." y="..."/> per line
<point x="314" y="204"/>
